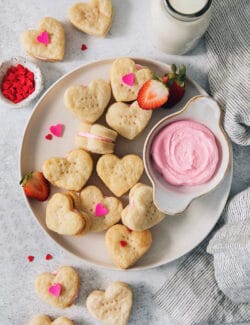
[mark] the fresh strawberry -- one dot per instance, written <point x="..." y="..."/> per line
<point x="35" y="186"/>
<point x="175" y="81"/>
<point x="153" y="94"/>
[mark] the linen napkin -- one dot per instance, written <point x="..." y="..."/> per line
<point x="228" y="50"/>
<point x="193" y="297"/>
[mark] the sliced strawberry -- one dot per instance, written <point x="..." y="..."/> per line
<point x="175" y="81"/>
<point x="35" y="186"/>
<point x="153" y="94"/>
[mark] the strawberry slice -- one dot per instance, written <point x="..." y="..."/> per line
<point x="175" y="81"/>
<point x="153" y="94"/>
<point x="35" y="186"/>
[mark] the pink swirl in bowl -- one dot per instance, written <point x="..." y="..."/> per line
<point x="186" y="153"/>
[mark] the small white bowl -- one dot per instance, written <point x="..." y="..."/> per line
<point x="172" y="199"/>
<point x="37" y="76"/>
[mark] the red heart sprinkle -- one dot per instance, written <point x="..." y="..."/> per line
<point x="48" y="136"/>
<point x="123" y="243"/>
<point x="48" y="257"/>
<point x="30" y="258"/>
<point x="84" y="47"/>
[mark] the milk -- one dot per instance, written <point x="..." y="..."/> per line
<point x="177" y="25"/>
<point x="188" y="6"/>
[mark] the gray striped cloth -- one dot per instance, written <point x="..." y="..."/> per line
<point x="193" y="296"/>
<point x="228" y="50"/>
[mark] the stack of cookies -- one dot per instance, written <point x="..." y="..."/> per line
<point x="81" y="209"/>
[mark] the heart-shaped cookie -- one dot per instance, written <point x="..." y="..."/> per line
<point x="128" y="120"/>
<point x="124" y="91"/>
<point x="141" y="213"/>
<point x="95" y="138"/>
<point x="119" y="175"/>
<point x="104" y="212"/>
<point x="112" y="306"/>
<point x="69" y="281"/>
<point x="45" y="320"/>
<point x="63" y="218"/>
<point x="93" y="18"/>
<point x="69" y="173"/>
<point x="88" y="102"/>
<point x="126" y="246"/>
<point x="47" y="42"/>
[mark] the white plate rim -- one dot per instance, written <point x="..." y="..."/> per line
<point x="96" y="264"/>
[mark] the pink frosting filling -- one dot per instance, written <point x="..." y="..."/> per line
<point x="94" y="136"/>
<point x="186" y="153"/>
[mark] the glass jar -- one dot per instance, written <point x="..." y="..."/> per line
<point x="177" y="25"/>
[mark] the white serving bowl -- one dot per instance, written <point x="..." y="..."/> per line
<point x="5" y="65"/>
<point x="175" y="199"/>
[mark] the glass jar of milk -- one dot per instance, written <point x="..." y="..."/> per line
<point x="177" y="25"/>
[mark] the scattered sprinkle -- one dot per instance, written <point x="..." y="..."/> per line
<point x="48" y="257"/>
<point x="123" y="243"/>
<point x="48" y="136"/>
<point x="128" y="79"/>
<point x="84" y="47"/>
<point x="57" y="129"/>
<point x="55" y="289"/>
<point x="100" y="210"/>
<point x="129" y="230"/>
<point x="30" y="258"/>
<point x="43" y="38"/>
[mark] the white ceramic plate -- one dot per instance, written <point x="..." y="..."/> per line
<point x="174" y="236"/>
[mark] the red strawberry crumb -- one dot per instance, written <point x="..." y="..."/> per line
<point x="123" y="243"/>
<point x="48" y="257"/>
<point x="30" y="258"/>
<point x="84" y="47"/>
<point x="48" y="136"/>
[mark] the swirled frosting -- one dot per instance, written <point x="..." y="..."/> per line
<point x="186" y="153"/>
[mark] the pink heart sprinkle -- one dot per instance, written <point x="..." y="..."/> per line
<point x="55" y="289"/>
<point x="57" y="130"/>
<point x="43" y="38"/>
<point x="84" y="47"/>
<point x="129" y="79"/>
<point x="100" y="210"/>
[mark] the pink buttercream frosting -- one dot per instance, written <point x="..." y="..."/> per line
<point x="186" y="153"/>
<point x="94" y="136"/>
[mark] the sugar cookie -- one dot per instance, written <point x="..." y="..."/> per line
<point x="60" y="289"/>
<point x="125" y="246"/>
<point x="70" y="173"/>
<point x="119" y="174"/>
<point x="141" y="213"/>
<point x="47" y="42"/>
<point x="95" y="138"/>
<point x="112" y="306"/>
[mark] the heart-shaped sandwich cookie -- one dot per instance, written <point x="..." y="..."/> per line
<point x="47" y="42"/>
<point x="45" y="320"/>
<point x="88" y="102"/>
<point x="127" y="79"/>
<point x="126" y="246"/>
<point x="104" y="212"/>
<point x="141" y="213"/>
<point x="69" y="173"/>
<point x="93" y="18"/>
<point x="95" y="138"/>
<point x="63" y="218"/>
<point x="128" y="120"/>
<point x="112" y="306"/>
<point x="119" y="175"/>
<point x="60" y="289"/>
